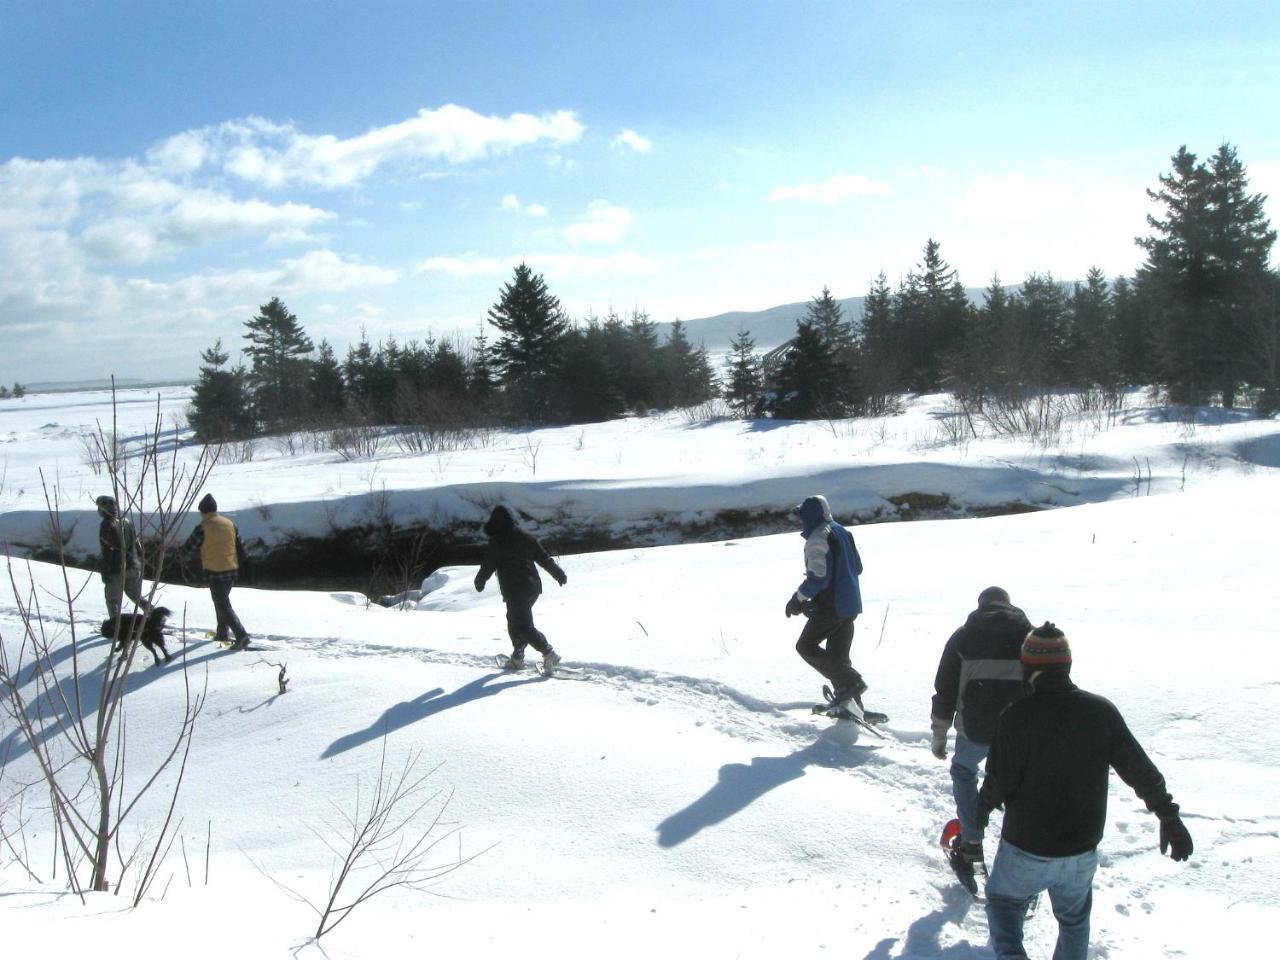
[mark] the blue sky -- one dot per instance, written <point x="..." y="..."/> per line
<point x="167" y="167"/>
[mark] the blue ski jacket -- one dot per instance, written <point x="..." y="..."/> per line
<point x="831" y="561"/>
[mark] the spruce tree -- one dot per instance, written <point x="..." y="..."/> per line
<point x="881" y="346"/>
<point x="587" y="386"/>
<point x="685" y="374"/>
<point x="279" y="368"/>
<point x="808" y="375"/>
<point x="328" y="391"/>
<point x="1206" y="254"/>
<point x="219" y="408"/>
<point x="1094" y="358"/>
<point x="745" y="382"/>
<point x="533" y="328"/>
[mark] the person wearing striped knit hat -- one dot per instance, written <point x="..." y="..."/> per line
<point x="1048" y="768"/>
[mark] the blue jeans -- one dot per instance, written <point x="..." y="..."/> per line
<point x="1017" y="877"/>
<point x="964" y="785"/>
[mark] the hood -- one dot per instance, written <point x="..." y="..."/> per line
<point x="1000" y="617"/>
<point x="500" y="522"/>
<point x="813" y="513"/>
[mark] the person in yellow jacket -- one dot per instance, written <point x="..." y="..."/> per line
<point x="221" y="553"/>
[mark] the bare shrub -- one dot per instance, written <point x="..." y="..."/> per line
<point x="356" y="442"/>
<point x="708" y="410"/>
<point x="384" y="842"/>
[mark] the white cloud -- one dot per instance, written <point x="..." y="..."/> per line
<point x="563" y="265"/>
<point x="465" y="266"/>
<point x="261" y="152"/>
<point x="512" y="202"/>
<point x="629" y="139"/>
<point x="833" y="190"/>
<point x="183" y="153"/>
<point x="603" y="223"/>
<point x="197" y="217"/>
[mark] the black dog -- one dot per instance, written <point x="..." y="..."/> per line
<point x="139" y="626"/>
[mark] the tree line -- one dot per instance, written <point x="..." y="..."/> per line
<point x="1199" y="320"/>
<point x="541" y="369"/>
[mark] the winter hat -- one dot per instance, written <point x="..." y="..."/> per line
<point x="993" y="595"/>
<point x="107" y="505"/>
<point x="207" y="504"/>
<point x="1046" y="646"/>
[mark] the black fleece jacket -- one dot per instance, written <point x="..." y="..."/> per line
<point x="512" y="553"/>
<point x="1049" y="765"/>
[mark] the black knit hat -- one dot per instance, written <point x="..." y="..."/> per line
<point x="207" y="504"/>
<point x="1046" y="646"/>
<point x="107" y="504"/>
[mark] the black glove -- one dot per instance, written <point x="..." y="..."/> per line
<point x="561" y="577"/>
<point x="1175" y="838"/>
<point x="794" y="606"/>
<point x="479" y="583"/>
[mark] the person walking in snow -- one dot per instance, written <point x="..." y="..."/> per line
<point x="512" y="553"/>
<point x="119" y="559"/>
<point x="979" y="674"/>
<point x="221" y="554"/>
<point x="829" y="597"/>
<point x="1048" y="767"/>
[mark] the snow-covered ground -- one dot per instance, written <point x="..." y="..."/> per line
<point x="681" y="800"/>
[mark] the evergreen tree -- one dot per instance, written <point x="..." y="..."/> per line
<point x="481" y="379"/>
<point x="19" y="391"/>
<point x="219" y="408"/>
<point x="279" y="369"/>
<point x="1093" y="349"/>
<point x="370" y="380"/>
<point x="745" y="380"/>
<point x="827" y="315"/>
<point x="533" y="329"/>
<point x="808" y="376"/>
<point x="685" y="373"/>
<point x="881" y="346"/>
<point x="980" y="365"/>
<point x="932" y="312"/>
<point x="638" y="364"/>
<point x="328" y="391"/>
<point x="1207" y="253"/>
<point x="1036" y="344"/>
<point x="587" y="387"/>
<point x="1134" y="359"/>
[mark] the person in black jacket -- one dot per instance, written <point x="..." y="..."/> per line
<point x="512" y="553"/>
<point x="119" y="559"/>
<point x="979" y="674"/>
<point x="1048" y="767"/>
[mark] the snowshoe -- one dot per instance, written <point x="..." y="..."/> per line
<point x="965" y="859"/>
<point x="509" y="664"/>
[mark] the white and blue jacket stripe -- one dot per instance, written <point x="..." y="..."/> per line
<point x="831" y="561"/>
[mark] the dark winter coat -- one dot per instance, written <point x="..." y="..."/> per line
<point x="118" y="549"/>
<point x="512" y="553"/>
<point x="1049" y="766"/>
<point x="980" y="672"/>
<point x="831" y="561"/>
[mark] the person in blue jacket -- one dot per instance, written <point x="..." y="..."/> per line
<point x="829" y="597"/>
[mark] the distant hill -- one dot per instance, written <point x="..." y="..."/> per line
<point x="773" y="325"/>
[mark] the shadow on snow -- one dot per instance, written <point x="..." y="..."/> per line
<point x="419" y="708"/>
<point x="739" y="784"/>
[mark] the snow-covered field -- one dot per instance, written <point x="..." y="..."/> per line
<point x="681" y="800"/>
